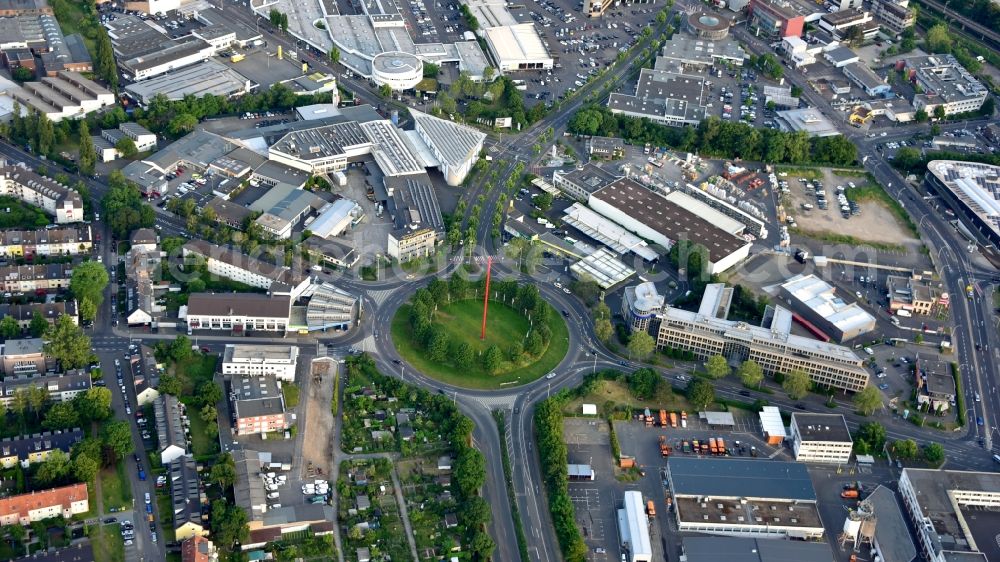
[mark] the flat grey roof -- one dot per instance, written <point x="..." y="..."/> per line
<point x="892" y="533"/>
<point x="209" y="77"/>
<point x="280" y="173"/>
<point x="199" y="148"/>
<point x="239" y="304"/>
<point x="590" y="177"/>
<point x="414" y="202"/>
<point x="822" y="427"/>
<point x="287" y="201"/>
<point x="321" y="142"/>
<point x="740" y="478"/>
<point x="257" y="396"/>
<point x="736" y="549"/>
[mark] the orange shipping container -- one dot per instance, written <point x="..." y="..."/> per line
<point x="673" y="419"/>
<point x="663" y="418"/>
<point x="650" y="508"/>
<point x="721" y="445"/>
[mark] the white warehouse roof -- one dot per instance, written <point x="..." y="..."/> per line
<point x="607" y="232"/>
<point x="819" y="296"/>
<point x="334" y="218"/>
<point x="721" y="221"/>
<point x="771" y="422"/>
<point x="512" y="43"/>
<point x="634" y="526"/>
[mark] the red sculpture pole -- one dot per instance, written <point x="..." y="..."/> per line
<point x="486" y="297"/>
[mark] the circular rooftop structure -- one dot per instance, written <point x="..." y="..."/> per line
<point x="398" y="70"/>
<point x="708" y="25"/>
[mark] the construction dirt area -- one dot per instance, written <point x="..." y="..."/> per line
<point x="876" y="223"/>
<point x="317" y="444"/>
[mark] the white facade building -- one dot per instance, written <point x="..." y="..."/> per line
<point x="821" y="438"/>
<point x="633" y="527"/>
<point x="456" y="147"/>
<point x="400" y="71"/>
<point x="52" y="197"/>
<point x="259" y="360"/>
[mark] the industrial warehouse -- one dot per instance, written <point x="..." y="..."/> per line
<point x="743" y="497"/>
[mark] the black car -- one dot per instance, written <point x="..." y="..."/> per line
<point x="110" y="520"/>
<point x="137" y="458"/>
<point x="744" y="393"/>
<point x="396" y="361"/>
<point x="623" y="363"/>
<point x="800" y="406"/>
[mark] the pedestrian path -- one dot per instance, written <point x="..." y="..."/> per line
<point x="499" y="402"/>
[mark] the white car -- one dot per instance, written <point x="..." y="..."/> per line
<point x="550" y="376"/>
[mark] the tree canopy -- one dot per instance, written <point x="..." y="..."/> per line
<point x="796" y="384"/>
<point x="67" y="344"/>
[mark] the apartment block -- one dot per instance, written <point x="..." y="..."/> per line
<point x="52" y="197"/>
<point x="259" y="360"/>
<point x="36" y="448"/>
<point x="46" y="242"/>
<point x="258" y="405"/>
<point x="24" y="509"/>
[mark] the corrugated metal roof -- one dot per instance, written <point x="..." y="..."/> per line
<point x="740" y="478"/>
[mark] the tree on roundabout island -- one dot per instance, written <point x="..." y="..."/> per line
<point x="438" y="332"/>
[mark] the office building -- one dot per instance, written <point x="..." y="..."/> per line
<point x="953" y="512"/>
<point x="238" y="313"/>
<point x="743" y="497"/>
<point x="775" y="19"/>
<point x="52" y="197"/>
<point x="418" y="224"/>
<point x="841" y="24"/>
<point x="24" y="509"/>
<point x="258" y="360"/>
<point x="972" y="190"/>
<point x="325" y="148"/>
<point x="284" y="207"/>
<point x="943" y="82"/>
<point x="608" y="148"/>
<point x="640" y="305"/>
<point x="258" y="405"/>
<point x="821" y="438"/>
<point x="707" y="332"/>
<point x="583" y="181"/>
<point x="666" y="97"/>
<point x="807" y="120"/>
<point x="818" y="302"/>
<point x="895" y="15"/>
<point x="517" y="47"/>
<point x="65" y="241"/>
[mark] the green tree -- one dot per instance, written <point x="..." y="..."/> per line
<point x="939" y="39"/>
<point x="921" y="116"/>
<point x="61" y="416"/>
<point x="640" y="345"/>
<point x="126" y="147"/>
<point x="750" y="373"/>
<point x="104" y="63"/>
<point x="700" y="393"/>
<point x="67" y="344"/>
<point x="46" y="134"/>
<point x="939" y="112"/>
<point x="94" y="405"/>
<point x="39" y="325"/>
<point x="869" y="439"/>
<point x="534" y="344"/>
<point x="182" y="124"/>
<point x="87" y="157"/>
<point x="169" y="384"/>
<point x="474" y="512"/>
<point x="462" y="355"/>
<point x="867" y="400"/>
<point x="437" y="346"/>
<point x="54" y="469"/>
<point x="229" y="524"/>
<point x="9" y="327"/>
<point x="543" y="201"/>
<point x="87" y="309"/>
<point x="85" y="468"/>
<point x="223" y="473"/>
<point x="334" y="55"/>
<point x="492" y="359"/>
<point x="643" y="383"/>
<point x="22" y="74"/>
<point x="603" y="329"/>
<point x="208" y="393"/>
<point x="385" y="91"/>
<point x="482" y="545"/>
<point x="180" y="349"/>
<point x="934" y="453"/>
<point x="118" y="437"/>
<point x="905" y="449"/>
<point x="123" y="206"/>
<point x="469" y="472"/>
<point x="796" y="384"/>
<point x="89" y="280"/>
<point x="717" y="367"/>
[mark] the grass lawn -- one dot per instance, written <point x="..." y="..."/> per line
<point x="202" y="444"/>
<point x="619" y="394"/>
<point x="115" y="489"/>
<point x="291" y="394"/>
<point x="195" y="370"/>
<point x="21" y="215"/>
<point x="107" y="542"/>
<point x="463" y="320"/>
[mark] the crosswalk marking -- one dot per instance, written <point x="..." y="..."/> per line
<point x="379" y="296"/>
<point x="503" y="401"/>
